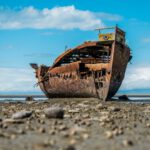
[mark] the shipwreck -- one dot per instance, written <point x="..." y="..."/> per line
<point x="92" y="69"/>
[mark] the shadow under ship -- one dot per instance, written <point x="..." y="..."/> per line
<point x="92" y="69"/>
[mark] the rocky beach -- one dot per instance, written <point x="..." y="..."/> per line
<point x="74" y="124"/>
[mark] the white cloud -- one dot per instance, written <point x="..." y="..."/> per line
<point x="110" y="17"/>
<point x="23" y="80"/>
<point x="67" y="17"/>
<point x="137" y="77"/>
<point x="19" y="80"/>
<point x="146" y="40"/>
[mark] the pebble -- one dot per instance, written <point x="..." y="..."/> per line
<point x="8" y="135"/>
<point x="38" y="111"/>
<point x="73" y="141"/>
<point x="85" y="136"/>
<point x="74" y="111"/>
<point x="22" y="115"/>
<point x="13" y="136"/>
<point x="65" y="134"/>
<point x="109" y="134"/>
<point x="41" y="121"/>
<point x="147" y="110"/>
<point x="76" y="130"/>
<point x="102" y="124"/>
<point x="127" y="143"/>
<point x="54" y="112"/>
<point x="104" y="118"/>
<point x="52" y="142"/>
<point x="70" y="147"/>
<point x="40" y="145"/>
<point x="94" y="119"/>
<point x="12" y="121"/>
<point x="67" y="116"/>
<point x="42" y="116"/>
<point x="41" y="130"/>
<point x="82" y="105"/>
<point x="5" y="125"/>
<point x="52" y="132"/>
<point x="86" y="116"/>
<point x="99" y="106"/>
<point x="62" y="128"/>
<point x="118" y="132"/>
<point x="21" y="131"/>
<point x="148" y="125"/>
<point x="49" y="142"/>
<point x="112" y="108"/>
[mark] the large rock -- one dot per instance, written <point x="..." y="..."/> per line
<point x="29" y="98"/>
<point x="123" y="97"/>
<point x="54" y="112"/>
<point x="22" y="115"/>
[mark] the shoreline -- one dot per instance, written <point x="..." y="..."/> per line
<point x="133" y="98"/>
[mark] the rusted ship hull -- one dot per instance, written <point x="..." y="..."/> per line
<point x="93" y="69"/>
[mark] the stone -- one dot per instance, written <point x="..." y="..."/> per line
<point x="29" y="98"/>
<point x="102" y="124"/>
<point x="74" y="111"/>
<point x="82" y="105"/>
<point x="147" y="110"/>
<point x="21" y="131"/>
<point x="109" y="134"/>
<point x="41" y="130"/>
<point x="52" y="142"/>
<point x="148" y="125"/>
<point x="123" y="97"/>
<point x="22" y="115"/>
<point x="65" y="134"/>
<point x="49" y="142"/>
<point x="115" y="109"/>
<point x="62" y="128"/>
<point x="94" y="119"/>
<point x="85" y="136"/>
<point x="127" y="143"/>
<point x="99" y="106"/>
<point x="54" y="112"/>
<point x="86" y="116"/>
<point x="38" y="111"/>
<point x="88" y="124"/>
<point x="76" y="129"/>
<point x="41" y="121"/>
<point x="104" y="118"/>
<point x="70" y="147"/>
<point x="12" y="121"/>
<point x="67" y="116"/>
<point x="52" y="132"/>
<point x="13" y="136"/>
<point x="40" y="145"/>
<point x="118" y="132"/>
<point x="73" y="141"/>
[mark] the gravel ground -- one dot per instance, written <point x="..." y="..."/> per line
<point x="74" y="124"/>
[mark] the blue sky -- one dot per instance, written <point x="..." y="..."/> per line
<point x="38" y="31"/>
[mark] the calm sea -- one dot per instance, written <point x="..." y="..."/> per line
<point x="138" y="96"/>
<point x="137" y="99"/>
